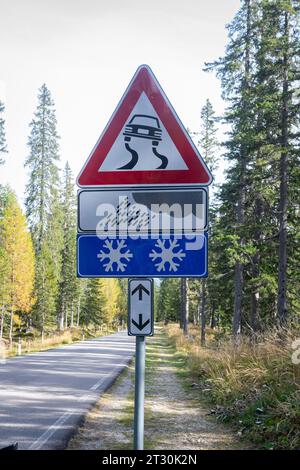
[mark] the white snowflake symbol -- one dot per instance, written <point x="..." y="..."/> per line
<point x="167" y="255"/>
<point x="115" y="255"/>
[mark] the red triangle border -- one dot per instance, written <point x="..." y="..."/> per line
<point x="197" y="172"/>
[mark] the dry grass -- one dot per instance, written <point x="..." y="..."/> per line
<point x="254" y="385"/>
<point x="53" y="339"/>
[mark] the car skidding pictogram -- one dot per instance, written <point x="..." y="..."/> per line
<point x="145" y="127"/>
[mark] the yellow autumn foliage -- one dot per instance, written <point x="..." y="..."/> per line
<point x="17" y="256"/>
<point x="111" y="292"/>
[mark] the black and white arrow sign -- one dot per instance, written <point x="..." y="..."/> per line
<point x="140" y="315"/>
<point x="140" y="288"/>
<point x="140" y="325"/>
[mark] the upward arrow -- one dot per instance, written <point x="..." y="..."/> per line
<point x="140" y="288"/>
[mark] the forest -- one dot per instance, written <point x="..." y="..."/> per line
<point x="237" y="326"/>
<point x="247" y="311"/>
<point x="39" y="289"/>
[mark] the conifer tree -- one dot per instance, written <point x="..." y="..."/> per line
<point x="93" y="304"/>
<point x="208" y="141"/>
<point x="209" y="146"/>
<point x="169" y="302"/>
<point x="235" y="70"/>
<point x="69" y="286"/>
<point x="43" y="206"/>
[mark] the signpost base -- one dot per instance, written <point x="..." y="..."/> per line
<point x="139" y="393"/>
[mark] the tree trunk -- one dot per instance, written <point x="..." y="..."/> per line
<point x="66" y="317"/>
<point x="203" y="316"/>
<point x="283" y="202"/>
<point x="240" y="216"/>
<point x="78" y="312"/>
<point x="61" y="319"/>
<point x="11" y="325"/>
<point x="213" y="320"/>
<point x="185" y="303"/>
<point x="72" y="316"/>
<point x="2" y="322"/>
<point x="182" y="315"/>
<point x="258" y="212"/>
<point x="238" y="292"/>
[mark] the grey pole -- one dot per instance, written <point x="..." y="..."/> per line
<point x="139" y="393"/>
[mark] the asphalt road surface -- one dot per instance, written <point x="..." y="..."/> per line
<point x="45" y="395"/>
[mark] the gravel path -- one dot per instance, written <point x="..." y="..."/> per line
<point x="173" y="418"/>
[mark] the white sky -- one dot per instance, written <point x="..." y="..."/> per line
<point x="86" y="51"/>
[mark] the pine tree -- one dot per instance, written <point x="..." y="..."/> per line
<point x="43" y="206"/>
<point x="3" y="148"/>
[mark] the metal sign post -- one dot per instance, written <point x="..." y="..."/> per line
<point x="139" y="395"/>
<point x="140" y="324"/>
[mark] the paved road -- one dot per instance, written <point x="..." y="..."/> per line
<point x="44" y="396"/>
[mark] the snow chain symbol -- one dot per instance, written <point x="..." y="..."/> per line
<point x="115" y="255"/>
<point x="167" y="255"/>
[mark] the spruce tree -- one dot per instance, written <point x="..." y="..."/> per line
<point x="209" y="146"/>
<point x="93" y="303"/>
<point x="43" y="206"/>
<point x="276" y="170"/>
<point x="69" y="294"/>
<point x="208" y="141"/>
<point x="235" y="70"/>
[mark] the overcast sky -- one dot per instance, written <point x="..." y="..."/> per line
<point x="86" y="51"/>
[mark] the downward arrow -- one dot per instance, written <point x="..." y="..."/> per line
<point x="140" y="288"/>
<point x="140" y="325"/>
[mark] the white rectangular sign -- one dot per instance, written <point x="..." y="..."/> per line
<point x="140" y="311"/>
<point x="139" y="211"/>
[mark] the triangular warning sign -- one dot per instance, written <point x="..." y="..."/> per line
<point x="144" y="143"/>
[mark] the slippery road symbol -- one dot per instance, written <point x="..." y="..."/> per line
<point x="147" y="127"/>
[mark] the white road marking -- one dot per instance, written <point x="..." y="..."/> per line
<point x="41" y="441"/>
<point x="38" y="444"/>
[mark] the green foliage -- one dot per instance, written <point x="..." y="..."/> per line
<point x="208" y="136"/>
<point x="43" y="207"/>
<point x="245" y="219"/>
<point x="93" y="304"/>
<point x="69" y="289"/>
<point x="169" y="300"/>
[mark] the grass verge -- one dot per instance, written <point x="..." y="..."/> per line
<point x="255" y="386"/>
<point x="53" y="339"/>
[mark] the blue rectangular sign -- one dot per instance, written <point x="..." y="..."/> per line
<point x="149" y="257"/>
